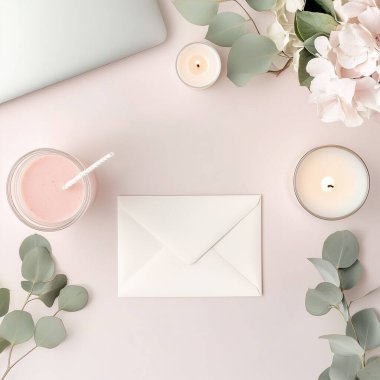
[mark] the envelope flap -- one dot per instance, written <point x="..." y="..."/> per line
<point x="189" y="225"/>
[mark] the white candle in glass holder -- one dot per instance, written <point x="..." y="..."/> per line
<point x="198" y="65"/>
<point x="331" y="182"/>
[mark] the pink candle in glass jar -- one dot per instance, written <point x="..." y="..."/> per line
<point x="35" y="190"/>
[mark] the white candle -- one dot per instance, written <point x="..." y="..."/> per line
<point x="198" y="65"/>
<point x="331" y="182"/>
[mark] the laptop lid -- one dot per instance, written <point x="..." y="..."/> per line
<point x="46" y="41"/>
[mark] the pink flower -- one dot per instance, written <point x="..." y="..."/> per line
<point x="340" y="98"/>
<point x="356" y="50"/>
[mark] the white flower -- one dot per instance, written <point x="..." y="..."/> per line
<point x="355" y="50"/>
<point x="278" y="35"/>
<point x="293" y="6"/>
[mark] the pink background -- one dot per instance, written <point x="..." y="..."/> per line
<point x="169" y="139"/>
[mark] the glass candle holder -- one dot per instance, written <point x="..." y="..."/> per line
<point x="331" y="182"/>
<point x="198" y="65"/>
<point x="35" y="190"/>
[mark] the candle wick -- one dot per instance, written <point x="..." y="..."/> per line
<point x="330" y="186"/>
<point x="198" y="65"/>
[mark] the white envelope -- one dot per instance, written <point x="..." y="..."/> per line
<point x="189" y="246"/>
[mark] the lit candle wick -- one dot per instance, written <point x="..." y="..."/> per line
<point x="328" y="184"/>
<point x="198" y="64"/>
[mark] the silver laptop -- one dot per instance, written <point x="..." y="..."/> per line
<point x="46" y="41"/>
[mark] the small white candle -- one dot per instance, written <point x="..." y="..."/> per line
<point x="331" y="182"/>
<point x="198" y="65"/>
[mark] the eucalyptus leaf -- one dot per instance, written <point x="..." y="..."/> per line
<point x="38" y="265"/>
<point x="341" y="249"/>
<point x="4" y="301"/>
<point x="311" y="23"/>
<point x="52" y="289"/>
<point x="72" y="298"/>
<point x="250" y="55"/>
<point x="325" y="375"/>
<point x="371" y="371"/>
<point x="343" y="345"/>
<point x="261" y="5"/>
<point x="225" y="28"/>
<point x="31" y="242"/>
<point x="35" y="289"/>
<point x="367" y="328"/>
<point x="350" y="276"/>
<point x="343" y="308"/>
<point x="304" y="77"/>
<point x="3" y="344"/>
<point x="309" y="44"/>
<point x="17" y="327"/>
<point x="327" y="270"/>
<point x="320" y="300"/>
<point x="49" y="332"/>
<point x="199" y="12"/>
<point x="327" y="6"/>
<point x="345" y="367"/>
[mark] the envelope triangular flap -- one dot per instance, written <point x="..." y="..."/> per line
<point x="241" y="247"/>
<point x="189" y="225"/>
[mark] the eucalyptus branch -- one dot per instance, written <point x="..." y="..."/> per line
<point x="249" y="16"/>
<point x="278" y="72"/>
<point x="10" y="366"/>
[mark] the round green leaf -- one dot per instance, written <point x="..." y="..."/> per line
<point x="31" y="242"/>
<point x="4" y="301"/>
<point x="327" y="270"/>
<point x="320" y="300"/>
<point x="367" y="328"/>
<point x="38" y="265"/>
<point x="345" y="367"/>
<point x="312" y="23"/>
<point x="17" y="327"/>
<point x="35" y="289"/>
<point x="3" y="344"/>
<point x="370" y="371"/>
<point x="343" y="345"/>
<point x="341" y="249"/>
<point x="250" y="55"/>
<point x="52" y="289"/>
<point x="327" y="6"/>
<point x="49" y="332"/>
<point x="261" y="5"/>
<point x="199" y="12"/>
<point x="73" y="298"/>
<point x="325" y="375"/>
<point x="225" y="28"/>
<point x="350" y="276"/>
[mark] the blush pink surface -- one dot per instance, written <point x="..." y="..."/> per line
<point x="41" y="189"/>
<point x="170" y="139"/>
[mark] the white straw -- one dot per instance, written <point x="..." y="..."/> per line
<point x="87" y="171"/>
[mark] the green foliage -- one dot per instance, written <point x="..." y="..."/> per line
<point x="225" y="28"/>
<point x="341" y="258"/>
<point x="4" y="301"/>
<point x="17" y="327"/>
<point x="38" y="265"/>
<point x="72" y="298"/>
<point x="250" y="55"/>
<point x="344" y="367"/>
<point x="327" y="6"/>
<point x="308" y="24"/>
<point x="50" y="332"/>
<point x="31" y="242"/>
<point x="304" y="77"/>
<point x="199" y="12"/>
<point x="320" y="300"/>
<point x="341" y="249"/>
<point x="261" y="5"/>
<point x="38" y="271"/>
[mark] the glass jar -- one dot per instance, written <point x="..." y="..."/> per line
<point x="35" y="189"/>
